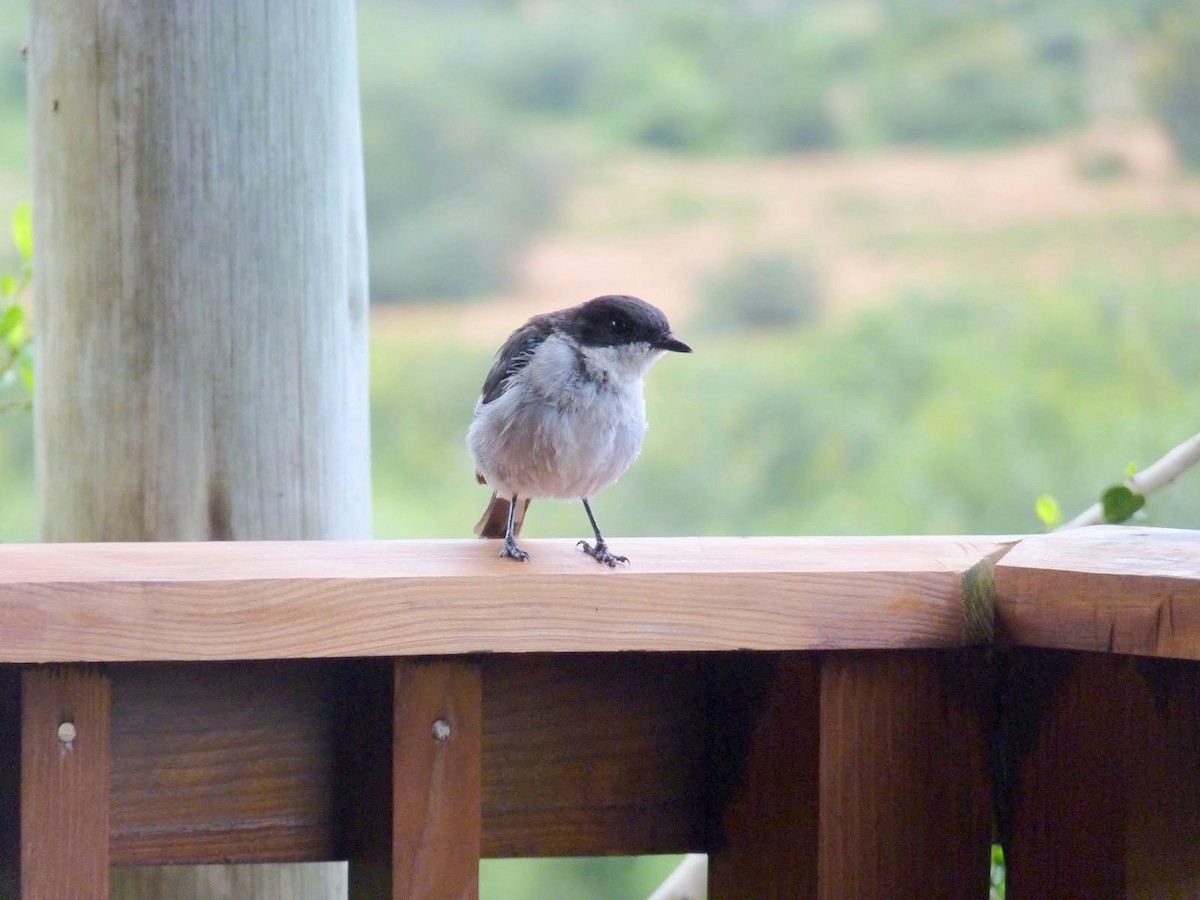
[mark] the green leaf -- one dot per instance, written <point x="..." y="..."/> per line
<point x="1120" y="503"/>
<point x="25" y="364"/>
<point x="8" y="285"/>
<point x="11" y="323"/>
<point x="1131" y="470"/>
<point x="22" y="229"/>
<point x="1048" y="511"/>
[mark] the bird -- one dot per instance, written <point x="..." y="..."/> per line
<point x="562" y="413"/>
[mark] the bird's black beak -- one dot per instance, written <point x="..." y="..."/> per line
<point x="667" y="342"/>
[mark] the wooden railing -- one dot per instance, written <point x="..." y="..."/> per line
<point x="831" y="717"/>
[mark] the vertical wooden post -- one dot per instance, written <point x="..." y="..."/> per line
<point x="201" y="284"/>
<point x="1163" y="845"/>
<point x="1065" y="734"/>
<point x="64" y="783"/>
<point x="415" y="811"/>
<point x="904" y="794"/>
<point x="766" y="768"/>
<point x="437" y="780"/>
<point x="1105" y="754"/>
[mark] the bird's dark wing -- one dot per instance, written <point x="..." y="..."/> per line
<point x="515" y="355"/>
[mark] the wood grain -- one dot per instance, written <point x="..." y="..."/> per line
<point x="1104" y="588"/>
<point x="905" y="803"/>
<point x="583" y="754"/>
<point x="261" y="600"/>
<point x="436" y="775"/>
<point x="64" y="783"/>
<point x="596" y="754"/>
<point x="202" y="312"/>
<point x="228" y="762"/>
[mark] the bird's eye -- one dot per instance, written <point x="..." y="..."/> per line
<point x="617" y="325"/>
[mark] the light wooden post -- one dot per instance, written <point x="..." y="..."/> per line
<point x="201" y="282"/>
<point x="202" y="308"/>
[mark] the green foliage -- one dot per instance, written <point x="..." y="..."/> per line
<point x="981" y="81"/>
<point x="1120" y="504"/>
<point x="16" y="355"/>
<point x="1048" y="512"/>
<point x="453" y="190"/>
<point x="761" y="290"/>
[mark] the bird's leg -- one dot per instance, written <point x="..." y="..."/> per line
<point x="600" y="552"/>
<point x="510" y="547"/>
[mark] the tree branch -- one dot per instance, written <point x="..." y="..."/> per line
<point x="1149" y="480"/>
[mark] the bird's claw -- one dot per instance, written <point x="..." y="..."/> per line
<point x="512" y="551"/>
<point x="600" y="553"/>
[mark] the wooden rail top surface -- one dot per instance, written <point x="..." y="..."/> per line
<point x="1129" y="590"/>
<point x="1108" y="589"/>
<point x="285" y="600"/>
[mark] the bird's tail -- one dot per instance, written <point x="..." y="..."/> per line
<point x="494" y="523"/>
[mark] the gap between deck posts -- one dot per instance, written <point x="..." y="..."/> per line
<point x="905" y="800"/>
<point x="412" y="757"/>
<point x="65" y="727"/>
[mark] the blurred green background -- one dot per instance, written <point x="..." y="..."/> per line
<point x="936" y="259"/>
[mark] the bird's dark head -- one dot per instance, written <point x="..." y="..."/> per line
<point x="618" y="320"/>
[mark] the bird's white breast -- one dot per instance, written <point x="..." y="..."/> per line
<point x="561" y="433"/>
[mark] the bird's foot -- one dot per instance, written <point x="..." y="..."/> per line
<point x="512" y="551"/>
<point x="600" y="553"/>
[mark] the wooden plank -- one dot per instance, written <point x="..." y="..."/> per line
<point x="260" y="600"/>
<point x="436" y="779"/>
<point x="285" y="762"/>
<point x="225" y="762"/>
<point x="594" y="754"/>
<point x="905" y="804"/>
<point x="1065" y="740"/>
<point x="64" y="783"/>
<point x="764" y="778"/>
<point x="1104" y="588"/>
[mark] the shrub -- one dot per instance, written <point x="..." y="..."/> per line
<point x="761" y="290"/>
